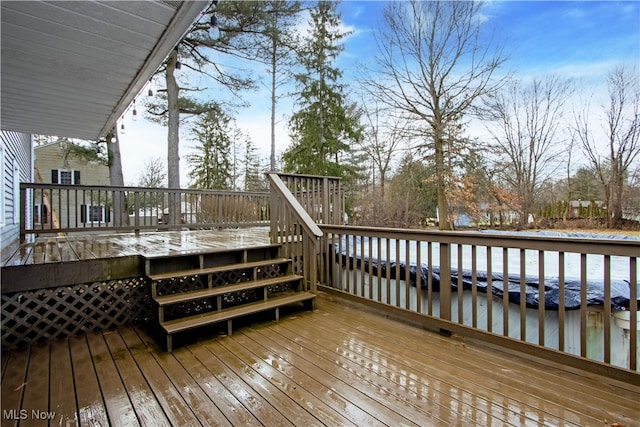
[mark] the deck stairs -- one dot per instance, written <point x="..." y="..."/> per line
<point x="196" y="290"/>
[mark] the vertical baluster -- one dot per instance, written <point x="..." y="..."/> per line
<point x="67" y="219"/>
<point x="75" y="195"/>
<point x="418" y="277"/>
<point x="355" y="265"/>
<point x="111" y="197"/>
<point x="583" y="305"/>
<point x="83" y="205"/>
<point x="460" y="286"/>
<point x="338" y="202"/>
<point x="489" y="290"/>
<point x="445" y="281"/>
<point x="430" y="278"/>
<point x="362" y="269"/>
<point x="101" y="215"/>
<point x="407" y="274"/>
<point x="505" y="292"/>
<point x="136" y="210"/>
<point x="561" y="301"/>
<point x="347" y="263"/>
<point x="40" y="214"/>
<point x="58" y="209"/>
<point x="607" y="309"/>
<point x="379" y="267"/>
<point x="332" y="260"/>
<point x="316" y="201"/>
<point x="541" y="298"/>
<point x="23" y="211"/>
<point x="388" y="270"/>
<point x="633" y="313"/>
<point x="340" y="261"/>
<point x="474" y="286"/>
<point x="523" y="295"/>
<point x="370" y="267"/>
<point x="326" y="201"/>
<point x="397" y="275"/>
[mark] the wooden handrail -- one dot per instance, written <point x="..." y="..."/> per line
<point x="83" y="208"/>
<point x="294" y="229"/>
<point x="298" y="211"/>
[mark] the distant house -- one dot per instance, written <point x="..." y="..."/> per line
<point x="586" y="208"/>
<point x="16" y="160"/>
<point x="55" y="164"/>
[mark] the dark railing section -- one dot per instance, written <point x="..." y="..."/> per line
<point x="56" y="208"/>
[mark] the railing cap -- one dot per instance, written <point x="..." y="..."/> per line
<point x="297" y="175"/>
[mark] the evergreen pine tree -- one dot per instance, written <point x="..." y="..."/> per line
<point x="212" y="163"/>
<point x="324" y="128"/>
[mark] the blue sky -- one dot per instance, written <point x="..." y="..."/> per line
<point x="579" y="39"/>
<point x="540" y="36"/>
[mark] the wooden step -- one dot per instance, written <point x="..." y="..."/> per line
<point x="238" y="249"/>
<point x="186" y="323"/>
<point x="224" y="289"/>
<point x="218" y="269"/>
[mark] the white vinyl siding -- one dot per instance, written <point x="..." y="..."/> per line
<point x="15" y="167"/>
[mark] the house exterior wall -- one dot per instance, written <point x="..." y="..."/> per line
<point x="16" y="157"/>
<point x="51" y="162"/>
<point x="52" y="156"/>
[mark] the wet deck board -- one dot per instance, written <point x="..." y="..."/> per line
<point x="147" y="408"/>
<point x="13" y="382"/>
<point x="61" y="388"/>
<point x="174" y="404"/>
<point x="337" y="365"/>
<point x="119" y="407"/>
<point x="90" y="409"/>
<point x="81" y="247"/>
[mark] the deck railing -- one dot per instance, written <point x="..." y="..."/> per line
<point x="57" y="208"/>
<point x="321" y="196"/>
<point x="294" y="229"/>
<point x="415" y="273"/>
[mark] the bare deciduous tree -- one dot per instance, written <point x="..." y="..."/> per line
<point x="613" y="152"/>
<point x="153" y="174"/>
<point x="383" y="133"/>
<point x="434" y="66"/>
<point x="526" y="138"/>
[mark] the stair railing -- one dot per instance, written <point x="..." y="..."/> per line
<point x="294" y="229"/>
<point x="321" y="196"/>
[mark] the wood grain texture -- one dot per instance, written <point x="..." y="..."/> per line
<point x="337" y="365"/>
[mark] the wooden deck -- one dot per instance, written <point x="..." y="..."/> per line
<point x="338" y="365"/>
<point x="83" y="258"/>
<point x="83" y="247"/>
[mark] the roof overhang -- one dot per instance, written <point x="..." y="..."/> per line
<point x="72" y="68"/>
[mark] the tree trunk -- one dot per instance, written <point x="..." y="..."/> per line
<point x="443" y="208"/>
<point x="273" y="104"/>
<point x="617" y="185"/>
<point x="173" y="141"/>
<point x="120" y="210"/>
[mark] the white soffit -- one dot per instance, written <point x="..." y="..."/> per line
<point x="71" y="68"/>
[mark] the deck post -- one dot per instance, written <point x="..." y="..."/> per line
<point x="23" y="210"/>
<point x="445" y="281"/>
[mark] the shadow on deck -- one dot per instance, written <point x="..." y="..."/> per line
<point x="337" y="365"/>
